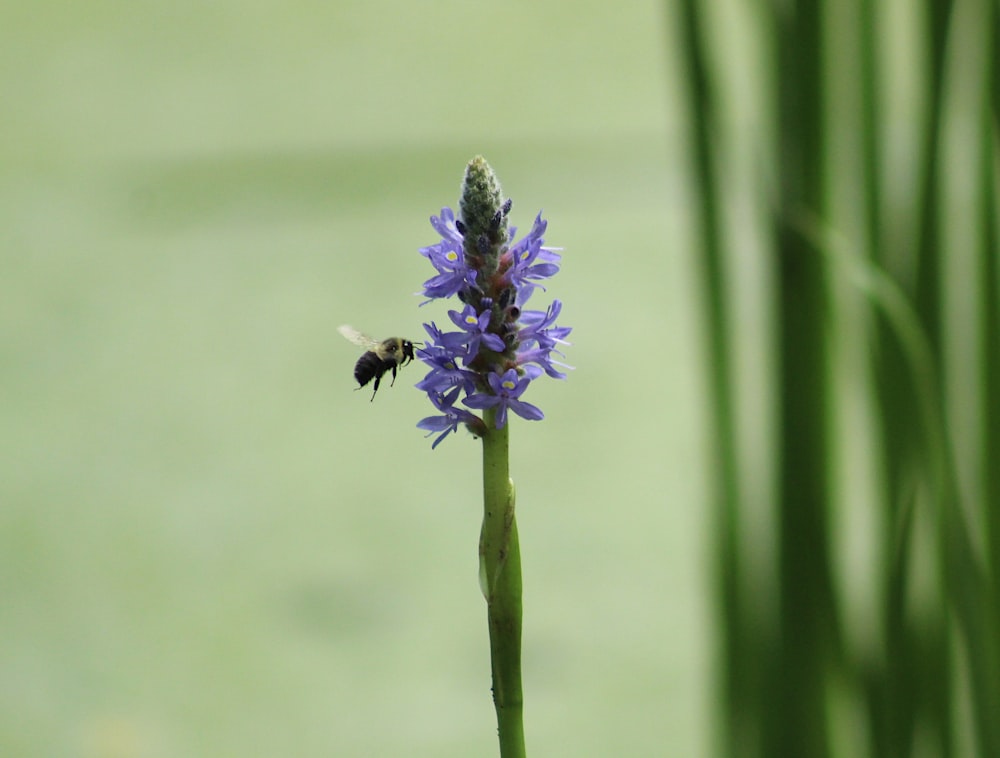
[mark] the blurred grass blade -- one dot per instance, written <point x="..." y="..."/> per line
<point x="989" y="276"/>
<point x="738" y="653"/>
<point x="796" y="722"/>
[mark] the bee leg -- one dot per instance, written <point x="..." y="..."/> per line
<point x="393" y="376"/>
<point x="375" y="389"/>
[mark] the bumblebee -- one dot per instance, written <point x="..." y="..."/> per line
<point x="387" y="355"/>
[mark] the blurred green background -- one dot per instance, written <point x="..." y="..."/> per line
<point x="209" y="544"/>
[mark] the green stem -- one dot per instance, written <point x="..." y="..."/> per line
<point x="500" y="579"/>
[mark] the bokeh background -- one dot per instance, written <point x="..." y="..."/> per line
<point x="209" y="544"/>
<point x="761" y="516"/>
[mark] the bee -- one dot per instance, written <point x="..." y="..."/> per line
<point x="387" y="355"/>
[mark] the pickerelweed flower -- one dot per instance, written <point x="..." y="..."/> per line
<point x="486" y="363"/>
<point x="506" y="390"/>
<point x="499" y="348"/>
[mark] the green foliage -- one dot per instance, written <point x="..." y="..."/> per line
<point x="884" y="355"/>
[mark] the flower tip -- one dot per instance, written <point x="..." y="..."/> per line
<point x="481" y="203"/>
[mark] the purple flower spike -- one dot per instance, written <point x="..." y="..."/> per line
<point x="497" y="348"/>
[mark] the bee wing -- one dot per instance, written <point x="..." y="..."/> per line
<point x="358" y="338"/>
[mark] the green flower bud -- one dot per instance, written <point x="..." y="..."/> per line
<point x="483" y="213"/>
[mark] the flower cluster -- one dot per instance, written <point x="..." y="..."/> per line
<point x="498" y="347"/>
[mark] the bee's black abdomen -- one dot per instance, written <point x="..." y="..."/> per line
<point x="368" y="367"/>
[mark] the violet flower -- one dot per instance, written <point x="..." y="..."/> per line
<point x="498" y="348"/>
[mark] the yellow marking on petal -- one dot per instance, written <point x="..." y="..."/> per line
<point x="451" y="256"/>
<point x="508" y="385"/>
<point x="471" y="320"/>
